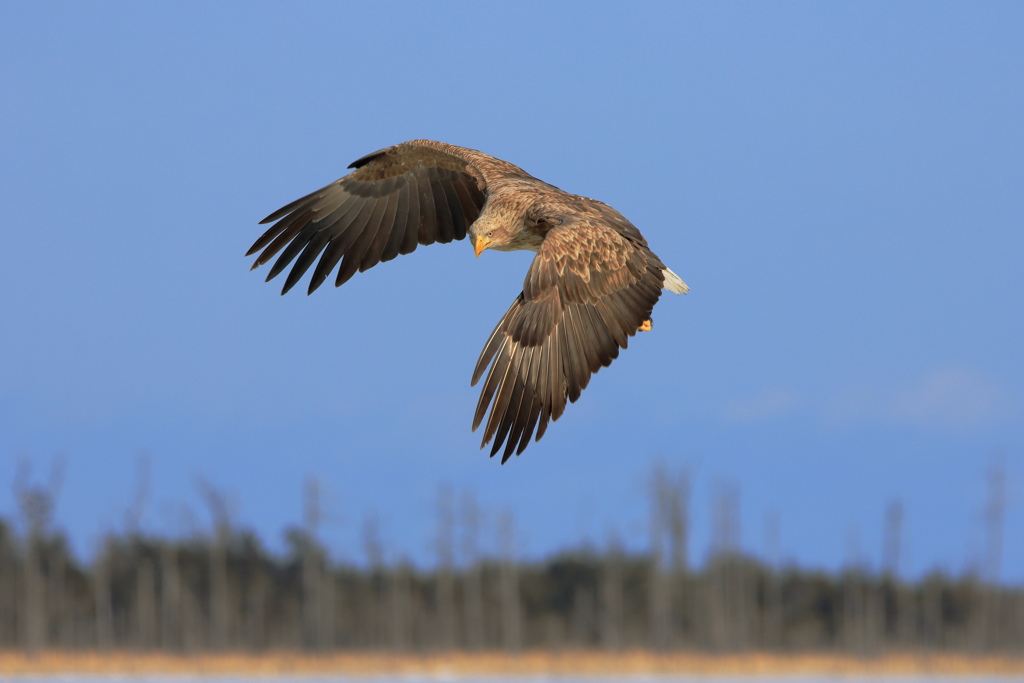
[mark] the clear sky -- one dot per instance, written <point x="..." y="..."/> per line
<point x="841" y="184"/>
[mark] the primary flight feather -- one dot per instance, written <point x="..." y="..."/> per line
<point x="591" y="286"/>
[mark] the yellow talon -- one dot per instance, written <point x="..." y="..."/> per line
<point x="644" y="327"/>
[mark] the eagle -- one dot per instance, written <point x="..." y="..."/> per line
<point x="591" y="286"/>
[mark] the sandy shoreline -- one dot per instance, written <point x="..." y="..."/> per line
<point x="496" y="664"/>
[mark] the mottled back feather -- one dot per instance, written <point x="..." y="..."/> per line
<point x="587" y="291"/>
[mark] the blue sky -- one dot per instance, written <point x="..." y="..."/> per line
<point x="839" y="183"/>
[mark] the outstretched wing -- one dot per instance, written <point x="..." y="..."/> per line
<point x="587" y="291"/>
<point x="418" y="192"/>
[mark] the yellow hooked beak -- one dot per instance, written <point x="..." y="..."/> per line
<point x="479" y="243"/>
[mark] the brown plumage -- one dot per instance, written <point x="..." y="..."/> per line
<point x="591" y="286"/>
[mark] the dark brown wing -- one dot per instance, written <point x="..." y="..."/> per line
<point x="587" y="291"/>
<point x="418" y="192"/>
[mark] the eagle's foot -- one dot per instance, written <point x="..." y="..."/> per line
<point x="645" y="326"/>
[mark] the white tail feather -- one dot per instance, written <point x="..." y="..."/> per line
<point x="674" y="283"/>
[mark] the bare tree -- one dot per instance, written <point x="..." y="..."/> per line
<point x="676" y="508"/>
<point x="59" y="616"/>
<point x="170" y="597"/>
<point x="729" y="586"/>
<point x="133" y="514"/>
<point x="905" y="607"/>
<point x="145" y="603"/>
<point x="104" y="608"/>
<point x="256" y="597"/>
<point x="219" y="596"/>
<point x="10" y="588"/>
<point x="611" y="631"/>
<point x="36" y="504"/>
<point x="399" y="591"/>
<point x="473" y="592"/>
<point x="378" y="595"/>
<point x="444" y="544"/>
<point x="668" y="576"/>
<point x="144" y="620"/>
<point x="995" y="511"/>
<point x="659" y="587"/>
<point x="892" y="539"/>
<point x="773" y="636"/>
<point x="985" y="624"/>
<point x="854" y="613"/>
<point x="511" y="607"/>
<point x="317" y="596"/>
<point x="223" y="590"/>
<point x="195" y="631"/>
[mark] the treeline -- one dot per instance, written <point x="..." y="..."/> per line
<point x="223" y="590"/>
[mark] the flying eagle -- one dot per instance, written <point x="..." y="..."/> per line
<point x="591" y="286"/>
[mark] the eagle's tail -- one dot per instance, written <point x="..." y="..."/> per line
<point x="674" y="283"/>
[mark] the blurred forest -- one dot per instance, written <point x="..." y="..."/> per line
<point x="221" y="589"/>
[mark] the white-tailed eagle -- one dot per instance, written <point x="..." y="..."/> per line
<point x="591" y="286"/>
